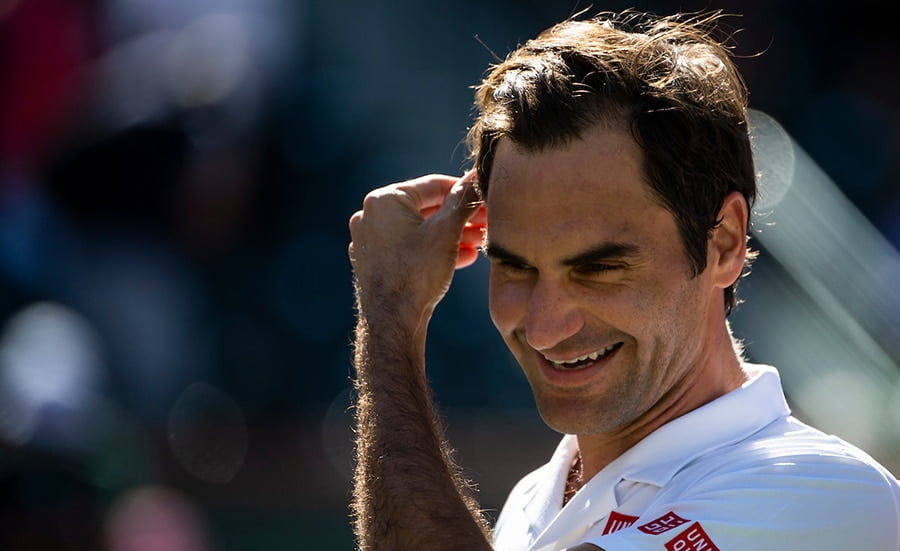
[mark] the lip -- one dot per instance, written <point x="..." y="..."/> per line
<point x="575" y="377"/>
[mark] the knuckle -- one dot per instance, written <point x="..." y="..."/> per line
<point x="371" y="199"/>
<point x="379" y="196"/>
<point x="355" y="220"/>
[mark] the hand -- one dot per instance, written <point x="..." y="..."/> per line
<point x="408" y="239"/>
<point x="405" y="244"/>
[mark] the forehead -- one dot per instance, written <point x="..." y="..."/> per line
<point x="597" y="181"/>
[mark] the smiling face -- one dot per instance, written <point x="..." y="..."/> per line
<point x="591" y="289"/>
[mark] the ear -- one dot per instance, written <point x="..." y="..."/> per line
<point x="728" y="241"/>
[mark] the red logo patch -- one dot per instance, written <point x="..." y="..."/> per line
<point x="662" y="524"/>
<point x="692" y="539"/>
<point x="617" y="521"/>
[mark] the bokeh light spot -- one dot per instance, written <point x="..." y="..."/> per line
<point x="208" y="433"/>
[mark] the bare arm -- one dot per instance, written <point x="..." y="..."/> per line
<point x="408" y="493"/>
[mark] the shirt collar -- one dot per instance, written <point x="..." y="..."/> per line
<point x="727" y="419"/>
<point x="545" y="494"/>
<point x="655" y="459"/>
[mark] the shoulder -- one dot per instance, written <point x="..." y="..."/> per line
<point x="788" y="487"/>
<point x="789" y="445"/>
<point x="786" y="449"/>
<point x="791" y="479"/>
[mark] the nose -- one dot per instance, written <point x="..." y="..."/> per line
<point x="553" y="315"/>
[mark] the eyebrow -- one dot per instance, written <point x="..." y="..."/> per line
<point x="497" y="252"/>
<point x="597" y="253"/>
<point x="604" y="251"/>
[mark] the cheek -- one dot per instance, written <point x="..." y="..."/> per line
<point x="676" y="317"/>
<point x="508" y="304"/>
<point x="649" y="311"/>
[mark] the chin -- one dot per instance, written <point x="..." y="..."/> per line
<point x="569" y="415"/>
<point x="566" y="419"/>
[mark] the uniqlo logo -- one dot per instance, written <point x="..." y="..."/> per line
<point x="662" y="524"/>
<point x="692" y="539"/>
<point x="617" y="521"/>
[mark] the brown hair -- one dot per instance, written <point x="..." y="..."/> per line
<point x="666" y="78"/>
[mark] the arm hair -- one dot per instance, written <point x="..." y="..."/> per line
<point x="409" y="494"/>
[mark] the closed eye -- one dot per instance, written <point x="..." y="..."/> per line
<point x="596" y="268"/>
<point x="504" y="259"/>
<point x="512" y="265"/>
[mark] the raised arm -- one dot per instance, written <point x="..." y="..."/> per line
<point x="406" y="242"/>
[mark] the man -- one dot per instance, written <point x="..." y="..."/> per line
<point x="617" y="179"/>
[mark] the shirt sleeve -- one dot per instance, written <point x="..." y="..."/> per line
<point x="822" y="504"/>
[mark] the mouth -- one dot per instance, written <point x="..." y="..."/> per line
<point x="582" y="362"/>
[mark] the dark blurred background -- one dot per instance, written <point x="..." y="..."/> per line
<point x="176" y="178"/>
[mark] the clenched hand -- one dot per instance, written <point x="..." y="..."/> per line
<point x="407" y="240"/>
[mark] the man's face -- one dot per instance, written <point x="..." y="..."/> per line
<point x="590" y="287"/>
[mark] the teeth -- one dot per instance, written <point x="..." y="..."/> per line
<point x="592" y="357"/>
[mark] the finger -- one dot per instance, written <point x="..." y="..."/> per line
<point x="427" y="212"/>
<point x="472" y="198"/>
<point x="354" y="221"/>
<point x="462" y="201"/>
<point x="472" y="236"/>
<point x="466" y="257"/>
<point x="428" y="191"/>
<point x="480" y="216"/>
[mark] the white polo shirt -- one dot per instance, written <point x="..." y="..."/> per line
<point x="738" y="473"/>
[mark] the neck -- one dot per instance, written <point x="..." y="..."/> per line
<point x="712" y="377"/>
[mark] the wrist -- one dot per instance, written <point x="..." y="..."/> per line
<point x="393" y="310"/>
<point x="392" y="330"/>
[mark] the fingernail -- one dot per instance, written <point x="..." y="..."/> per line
<point x="471" y="193"/>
